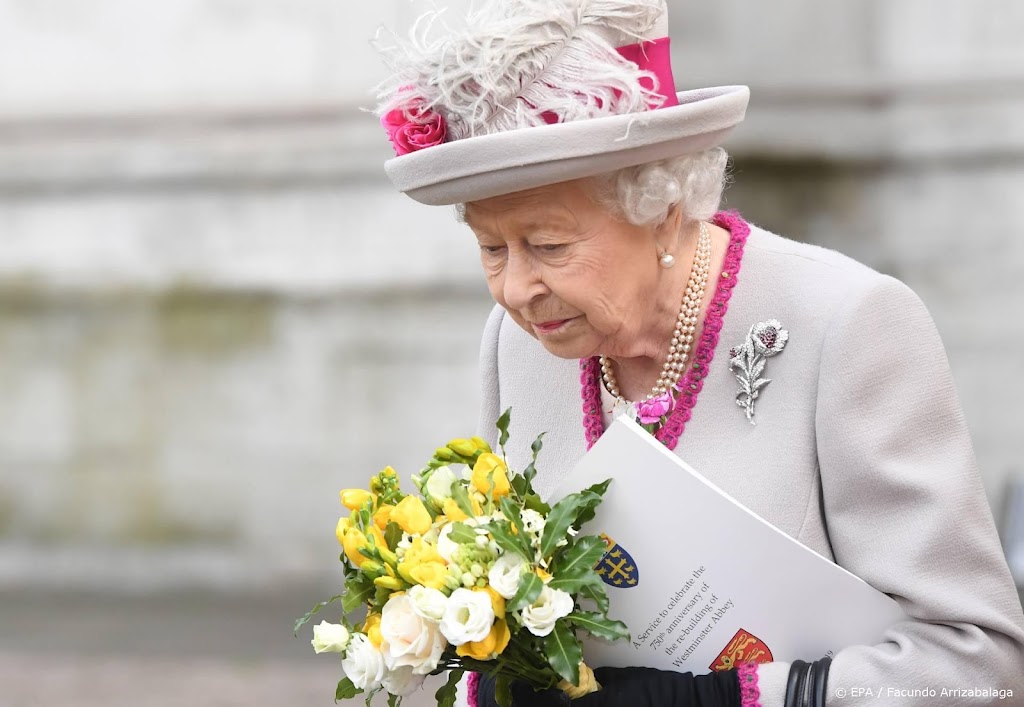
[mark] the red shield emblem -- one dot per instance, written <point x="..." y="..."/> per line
<point x="744" y="647"/>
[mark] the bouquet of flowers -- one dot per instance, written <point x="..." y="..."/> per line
<point x="474" y="573"/>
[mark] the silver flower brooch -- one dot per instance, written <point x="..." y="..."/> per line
<point x="764" y="340"/>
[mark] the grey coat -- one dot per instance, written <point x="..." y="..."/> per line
<point x="860" y="452"/>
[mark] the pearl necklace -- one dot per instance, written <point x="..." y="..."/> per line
<point x="686" y="324"/>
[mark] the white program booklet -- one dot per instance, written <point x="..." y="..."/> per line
<point x="701" y="581"/>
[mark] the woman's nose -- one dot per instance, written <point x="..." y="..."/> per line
<point x="523" y="283"/>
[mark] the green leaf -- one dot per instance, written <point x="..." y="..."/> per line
<point x="597" y="594"/>
<point x="357" y="593"/>
<point x="461" y="497"/>
<point x="315" y="610"/>
<point x="561" y="517"/>
<point x="392" y="534"/>
<point x="445" y="695"/>
<point x="600" y="626"/>
<point x="346" y="690"/>
<point x="531" y="469"/>
<point x="394" y="700"/>
<point x="527" y="593"/>
<point x="534" y="503"/>
<point x="574" y="566"/>
<point x="506" y="540"/>
<point x="371" y="694"/>
<point x="462" y="534"/>
<point x="564" y="652"/>
<point x="502" y="426"/>
<point x="502" y="693"/>
<point x="511" y="511"/>
<point x="589" y="507"/>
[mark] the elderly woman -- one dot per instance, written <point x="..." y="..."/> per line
<point x="593" y="191"/>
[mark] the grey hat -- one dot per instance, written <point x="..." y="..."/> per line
<point x="537" y="92"/>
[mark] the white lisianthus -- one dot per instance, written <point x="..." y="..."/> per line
<point x="408" y="639"/>
<point x="505" y="573"/>
<point x="552" y="604"/>
<point x="427" y="602"/>
<point x="446" y="547"/>
<point x="329" y="638"/>
<point x="439" y="484"/>
<point x="402" y="681"/>
<point x="468" y="616"/>
<point x="363" y="663"/>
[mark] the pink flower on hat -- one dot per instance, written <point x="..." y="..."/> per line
<point x="413" y="129"/>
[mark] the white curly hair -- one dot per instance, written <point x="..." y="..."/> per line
<point x="644" y="195"/>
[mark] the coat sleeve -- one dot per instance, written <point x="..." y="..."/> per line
<point x="906" y="511"/>
<point x="490" y="394"/>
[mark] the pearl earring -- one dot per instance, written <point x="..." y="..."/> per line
<point x="666" y="260"/>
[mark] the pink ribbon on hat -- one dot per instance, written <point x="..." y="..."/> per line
<point x="654" y="56"/>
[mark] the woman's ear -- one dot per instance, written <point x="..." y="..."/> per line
<point x="669" y="234"/>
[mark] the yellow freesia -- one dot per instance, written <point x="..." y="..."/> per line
<point x="343" y="525"/>
<point x="497" y="601"/>
<point x="353" y="499"/>
<point x="452" y="511"/>
<point x="427" y="574"/>
<point x="480" y="444"/>
<point x="490" y="471"/>
<point x="386" y="474"/>
<point x="382" y="515"/>
<point x="455" y="514"/>
<point x="388" y="582"/>
<point x="423" y="564"/>
<point x="354" y="540"/>
<point x="371" y="627"/>
<point x="420" y="551"/>
<point x="462" y="447"/>
<point x="490" y="647"/>
<point x="411" y="515"/>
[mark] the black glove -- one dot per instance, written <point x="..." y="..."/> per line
<point x="630" y="687"/>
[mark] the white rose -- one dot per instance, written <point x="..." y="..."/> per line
<point x="468" y="616"/>
<point x="505" y="573"/>
<point x="329" y="638"/>
<point x="439" y="484"/>
<point x="402" y="681"/>
<point x="551" y="605"/>
<point x="427" y="602"/>
<point x="408" y="639"/>
<point x="363" y="663"/>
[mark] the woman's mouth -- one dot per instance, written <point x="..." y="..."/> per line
<point x="552" y="326"/>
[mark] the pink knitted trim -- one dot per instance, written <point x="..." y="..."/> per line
<point x="691" y="384"/>
<point x="472" y="683"/>
<point x="749" y="692"/>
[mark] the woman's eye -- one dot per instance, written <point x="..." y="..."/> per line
<point x="492" y="249"/>
<point x="550" y="247"/>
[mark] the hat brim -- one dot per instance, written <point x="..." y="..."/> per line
<point x="501" y="163"/>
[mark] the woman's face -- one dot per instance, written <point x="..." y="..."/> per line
<point x="567" y="271"/>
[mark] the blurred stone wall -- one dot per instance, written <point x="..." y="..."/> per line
<point x="215" y="312"/>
